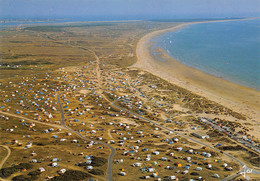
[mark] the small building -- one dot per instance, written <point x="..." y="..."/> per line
<point x="137" y="164"/>
<point x="147" y="158"/>
<point x="155" y="174"/>
<point x="188" y="158"/>
<point x="122" y="173"/>
<point x="154" y="163"/>
<point x="200" y="135"/>
<point x="33" y="154"/>
<point x="89" y="167"/>
<point x="33" y="161"/>
<point x="41" y="169"/>
<point x="198" y="168"/>
<point x="151" y="169"/>
<point x="206" y="154"/>
<point x="164" y="158"/>
<point x="171" y="154"/>
<point x="156" y="152"/>
<point x="175" y="140"/>
<point x="54" y="164"/>
<point x="56" y="160"/>
<point x="146" y="177"/>
<point x="185" y="172"/>
<point x="88" y="162"/>
<point x="168" y="167"/>
<point x="172" y="177"/>
<point x="14" y="141"/>
<point x="111" y="141"/>
<point x="209" y="166"/>
<point x="216" y="175"/>
<point x="228" y="168"/>
<point x="62" y="171"/>
<point x="225" y="165"/>
<point x="168" y="121"/>
<point x="87" y="157"/>
<point x="179" y="148"/>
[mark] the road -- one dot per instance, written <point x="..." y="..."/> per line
<point x="235" y="138"/>
<point x="163" y="127"/>
<point x="189" y="138"/>
<point x="32" y="120"/>
<point x="63" y="126"/>
<point x="6" y="157"/>
<point x="9" y="151"/>
<point x="110" y="159"/>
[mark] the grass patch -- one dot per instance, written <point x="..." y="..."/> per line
<point x="27" y="62"/>
<point x="6" y="172"/>
<point x="55" y="28"/>
<point x="34" y="174"/>
<point x="97" y="172"/>
<point x="72" y="175"/>
<point x="231" y="148"/>
<point x="21" y="178"/>
<point x="16" y="56"/>
<point x="98" y="161"/>
<point x="30" y="177"/>
<point x="255" y="161"/>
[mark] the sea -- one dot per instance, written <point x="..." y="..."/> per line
<point x="230" y="50"/>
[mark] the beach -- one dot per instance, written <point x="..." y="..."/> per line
<point x="236" y="97"/>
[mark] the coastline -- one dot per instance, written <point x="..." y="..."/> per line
<point x="234" y="96"/>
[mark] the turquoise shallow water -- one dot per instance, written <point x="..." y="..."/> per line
<point x="230" y="50"/>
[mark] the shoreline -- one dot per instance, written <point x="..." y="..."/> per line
<point x="234" y="96"/>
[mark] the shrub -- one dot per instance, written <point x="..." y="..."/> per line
<point x="6" y="172"/>
<point x="98" y="161"/>
<point x="82" y="164"/>
<point x="21" y="178"/>
<point x="34" y="174"/>
<point x="40" y="144"/>
<point x="255" y="161"/>
<point x="97" y="172"/>
<point x="72" y="175"/>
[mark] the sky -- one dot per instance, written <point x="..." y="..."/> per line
<point x="128" y="9"/>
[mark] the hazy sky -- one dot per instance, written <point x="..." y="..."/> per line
<point x="130" y="9"/>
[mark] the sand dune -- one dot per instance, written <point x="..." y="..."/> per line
<point x="236" y="97"/>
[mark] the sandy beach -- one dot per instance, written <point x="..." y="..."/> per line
<point x="236" y="97"/>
